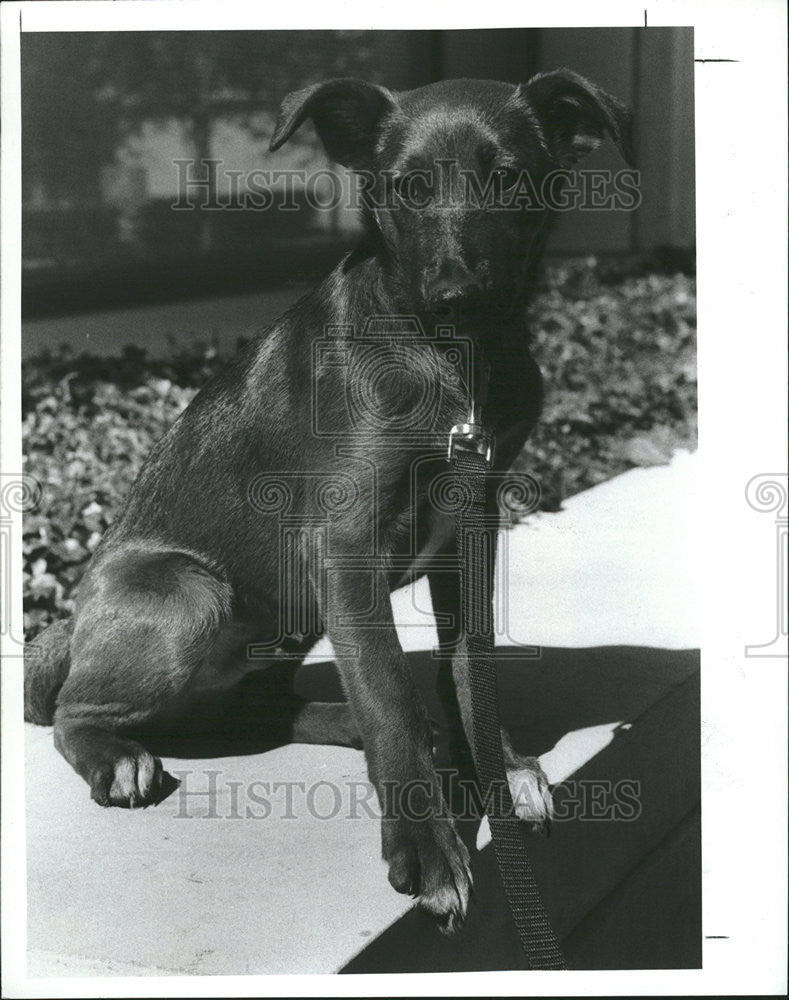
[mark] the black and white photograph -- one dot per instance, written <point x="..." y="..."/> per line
<point x="393" y="554"/>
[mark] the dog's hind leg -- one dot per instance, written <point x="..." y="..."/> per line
<point x="47" y="662"/>
<point x="141" y="633"/>
<point x="325" y="723"/>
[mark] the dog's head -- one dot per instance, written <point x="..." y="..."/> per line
<point x="457" y="173"/>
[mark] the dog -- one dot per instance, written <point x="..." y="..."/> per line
<point x="189" y="577"/>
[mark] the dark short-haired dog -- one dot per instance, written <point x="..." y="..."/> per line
<point x="191" y="573"/>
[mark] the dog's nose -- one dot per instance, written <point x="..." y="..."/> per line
<point x="451" y="287"/>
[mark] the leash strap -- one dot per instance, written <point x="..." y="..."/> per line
<point x="476" y="538"/>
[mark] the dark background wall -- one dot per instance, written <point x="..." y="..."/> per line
<point x="105" y="114"/>
<point x="652" y="71"/>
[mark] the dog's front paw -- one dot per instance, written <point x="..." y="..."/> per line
<point x="428" y="860"/>
<point x="132" y="780"/>
<point x="531" y="794"/>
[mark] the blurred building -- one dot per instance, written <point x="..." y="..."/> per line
<point x="105" y="120"/>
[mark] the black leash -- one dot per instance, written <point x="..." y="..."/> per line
<point x="470" y="451"/>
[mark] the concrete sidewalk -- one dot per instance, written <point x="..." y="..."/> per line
<point x="228" y="876"/>
<point x="219" y="320"/>
<point x="614" y="567"/>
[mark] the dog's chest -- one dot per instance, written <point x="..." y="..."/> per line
<point x="417" y="535"/>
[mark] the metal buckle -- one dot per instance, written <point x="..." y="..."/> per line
<point x="473" y="438"/>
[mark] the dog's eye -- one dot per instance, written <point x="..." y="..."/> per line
<point x="414" y="189"/>
<point x="505" y="177"/>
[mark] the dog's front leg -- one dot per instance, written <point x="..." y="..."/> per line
<point x="426" y="857"/>
<point x="528" y="784"/>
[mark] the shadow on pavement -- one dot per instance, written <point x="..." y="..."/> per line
<point x="622" y="890"/>
<point x="542" y="699"/>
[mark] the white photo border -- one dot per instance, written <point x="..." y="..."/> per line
<point x="741" y="141"/>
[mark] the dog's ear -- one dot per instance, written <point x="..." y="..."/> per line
<point x="346" y="114"/>
<point x="576" y="114"/>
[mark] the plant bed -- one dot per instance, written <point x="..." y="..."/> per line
<point x="616" y="345"/>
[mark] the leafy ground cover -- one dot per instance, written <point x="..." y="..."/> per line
<point x="616" y="345"/>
